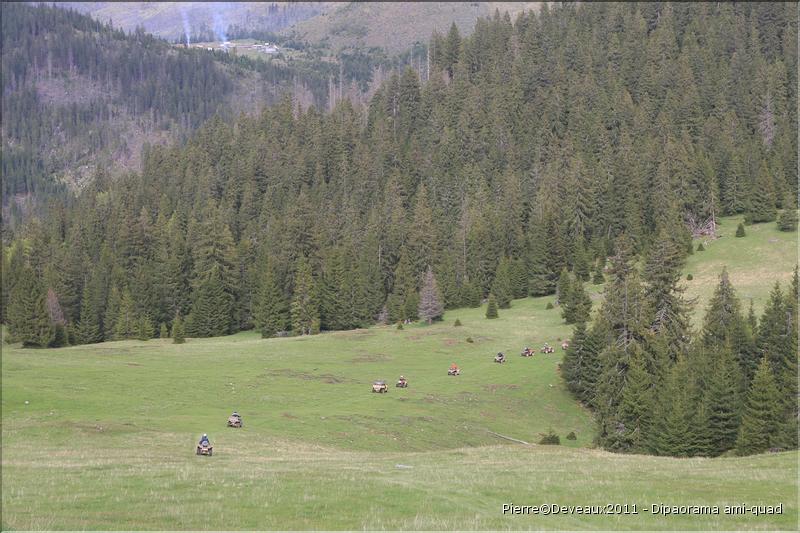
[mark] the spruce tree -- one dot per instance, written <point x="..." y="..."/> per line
<point x="722" y="402"/>
<point x="674" y="431"/>
<point x="519" y="279"/>
<point x="597" y="277"/>
<point x="635" y="406"/>
<point x="762" y="198"/>
<point x="305" y="303"/>
<point x="211" y="309"/>
<point x="578" y="306"/>
<point x="563" y="288"/>
<point x="740" y="230"/>
<point x="542" y="273"/>
<point x="112" y="313"/>
<point x="163" y="331"/>
<point x="59" y="338"/>
<point x="668" y="309"/>
<point x="125" y="326"/>
<point x="271" y="308"/>
<point x="572" y="365"/>
<point x="502" y="287"/>
<point x="28" y="319"/>
<point x="787" y="221"/>
<point x="762" y="413"/>
<point x="491" y="307"/>
<point x="580" y="263"/>
<point x="775" y="335"/>
<point x="724" y="324"/>
<point x="88" y="329"/>
<point x="178" y="334"/>
<point x="471" y="294"/>
<point x="430" y="299"/>
<point x="144" y="327"/>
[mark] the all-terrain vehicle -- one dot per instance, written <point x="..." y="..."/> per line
<point x="453" y="371"/>
<point x="565" y="345"/>
<point x="527" y="352"/>
<point x="380" y="386"/>
<point x="548" y="349"/>
<point x="500" y="357"/>
<point x="402" y="383"/>
<point x="205" y="449"/>
<point x="235" y="421"/>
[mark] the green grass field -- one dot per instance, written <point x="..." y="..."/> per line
<point x="755" y="262"/>
<point x="103" y="436"/>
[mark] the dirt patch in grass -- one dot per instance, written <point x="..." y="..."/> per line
<point x="450" y="342"/>
<point x="289" y="373"/>
<point x="494" y="387"/>
<point x="289" y="415"/>
<point x="370" y="358"/>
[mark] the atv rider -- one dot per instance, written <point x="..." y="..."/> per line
<point x="204" y="440"/>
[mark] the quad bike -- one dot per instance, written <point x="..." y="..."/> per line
<point x="527" y="352"/>
<point x="234" y="421"/>
<point x="454" y="372"/>
<point x="380" y="387"/>
<point x="565" y="345"/>
<point x="402" y="383"/>
<point x="500" y="358"/>
<point x="205" y="449"/>
<point x="548" y="349"/>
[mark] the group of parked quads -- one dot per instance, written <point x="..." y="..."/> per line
<point x="528" y="352"/>
<point x="382" y="387"/>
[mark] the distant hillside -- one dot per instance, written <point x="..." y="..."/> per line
<point x="394" y="26"/>
<point x="79" y="95"/>
<point x="172" y="20"/>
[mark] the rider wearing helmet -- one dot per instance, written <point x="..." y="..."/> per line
<point x="204" y="440"/>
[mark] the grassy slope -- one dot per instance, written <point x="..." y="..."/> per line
<point x="755" y="262"/>
<point x="107" y="438"/>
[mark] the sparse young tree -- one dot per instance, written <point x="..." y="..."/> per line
<point x="430" y="299"/>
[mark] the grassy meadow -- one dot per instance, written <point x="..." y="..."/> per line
<point x="755" y="262"/>
<point x="103" y="436"/>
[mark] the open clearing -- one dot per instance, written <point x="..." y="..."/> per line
<point x="106" y="438"/>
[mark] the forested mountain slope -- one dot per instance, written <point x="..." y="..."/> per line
<point x="535" y="156"/>
<point x="79" y="96"/>
<point x="394" y="26"/>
